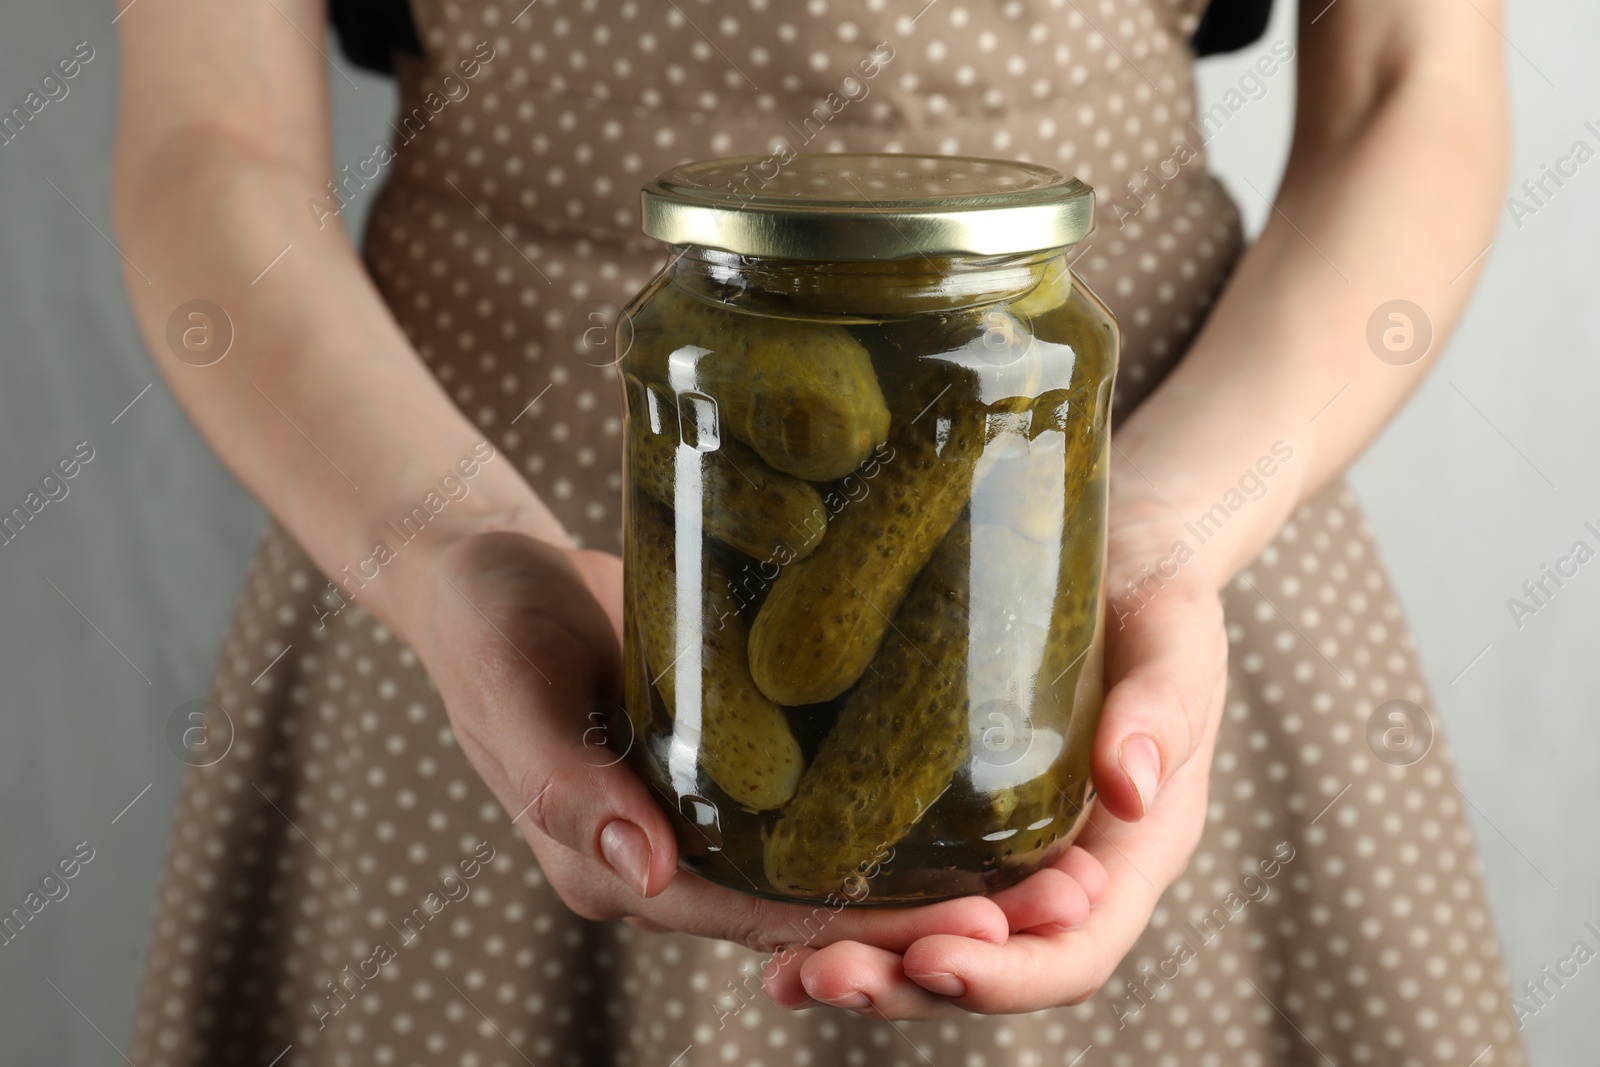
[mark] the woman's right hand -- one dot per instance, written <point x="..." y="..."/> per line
<point x="523" y="640"/>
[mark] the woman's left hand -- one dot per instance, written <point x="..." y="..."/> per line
<point x="1166" y="671"/>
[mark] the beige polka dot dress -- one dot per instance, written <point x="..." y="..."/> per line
<point x="342" y="889"/>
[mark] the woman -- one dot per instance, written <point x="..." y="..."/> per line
<point x="349" y="885"/>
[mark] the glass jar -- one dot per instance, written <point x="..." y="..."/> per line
<point x="867" y="407"/>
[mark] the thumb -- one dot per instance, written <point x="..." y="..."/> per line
<point x="1167" y="665"/>
<point x="531" y="680"/>
<point x="569" y="784"/>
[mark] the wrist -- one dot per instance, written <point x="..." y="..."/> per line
<point x="505" y="597"/>
<point x="396" y="565"/>
<point x="1207" y="510"/>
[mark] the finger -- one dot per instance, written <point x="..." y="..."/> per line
<point x="895" y="929"/>
<point x="691" y="903"/>
<point x="541" y="654"/>
<point x="869" y="981"/>
<point x="1065" y="909"/>
<point x="1033" y="970"/>
<point x="576" y="793"/>
<point x="1086" y="870"/>
<point x="1029" y="972"/>
<point x="1167" y="669"/>
<point x="1048" y="898"/>
<point x="780" y="979"/>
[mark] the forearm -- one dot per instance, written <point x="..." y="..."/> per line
<point x="321" y="408"/>
<point x="1393" y="201"/>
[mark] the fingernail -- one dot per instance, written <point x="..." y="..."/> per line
<point x="941" y="982"/>
<point x="855" y="1000"/>
<point x="1140" y="760"/>
<point x="626" y="851"/>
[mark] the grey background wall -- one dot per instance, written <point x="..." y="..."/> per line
<point x="114" y="600"/>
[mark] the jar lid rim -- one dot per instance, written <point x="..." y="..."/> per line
<point x="867" y="206"/>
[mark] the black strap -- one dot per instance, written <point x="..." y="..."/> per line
<point x="372" y="31"/>
<point x="1229" y="25"/>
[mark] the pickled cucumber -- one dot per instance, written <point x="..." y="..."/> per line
<point x="744" y="502"/>
<point x="744" y="742"/>
<point x="802" y="393"/>
<point x="827" y="614"/>
<point x="900" y="739"/>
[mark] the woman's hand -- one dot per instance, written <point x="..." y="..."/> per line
<point x="1387" y="92"/>
<point x="522" y="639"/>
<point x="1166" y="669"/>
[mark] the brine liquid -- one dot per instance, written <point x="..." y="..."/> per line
<point x="912" y="717"/>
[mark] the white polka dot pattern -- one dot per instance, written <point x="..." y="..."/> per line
<point x="324" y="899"/>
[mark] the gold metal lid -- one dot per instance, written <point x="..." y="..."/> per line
<point x="846" y="206"/>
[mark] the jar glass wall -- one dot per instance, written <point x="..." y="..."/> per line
<point x="865" y="530"/>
